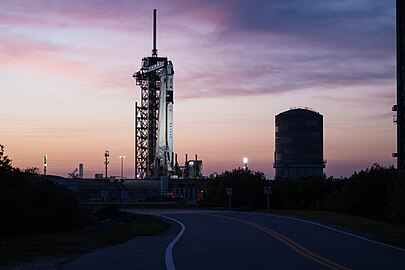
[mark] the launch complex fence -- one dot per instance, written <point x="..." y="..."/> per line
<point x="180" y="195"/>
<point x="135" y="191"/>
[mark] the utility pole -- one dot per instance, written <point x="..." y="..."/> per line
<point x="106" y="162"/>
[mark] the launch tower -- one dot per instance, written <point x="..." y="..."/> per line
<point x="154" y="116"/>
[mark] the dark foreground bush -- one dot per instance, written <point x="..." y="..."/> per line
<point x="366" y="193"/>
<point x="395" y="211"/>
<point x="376" y="192"/>
<point x="108" y="211"/>
<point x="247" y="187"/>
<point x="29" y="204"/>
<point x="302" y="193"/>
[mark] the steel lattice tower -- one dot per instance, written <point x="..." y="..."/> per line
<point x="146" y="120"/>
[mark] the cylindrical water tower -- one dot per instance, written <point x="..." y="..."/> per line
<point x="299" y="144"/>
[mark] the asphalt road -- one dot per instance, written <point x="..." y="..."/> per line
<point x="243" y="240"/>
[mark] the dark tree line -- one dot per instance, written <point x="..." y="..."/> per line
<point x="376" y="192"/>
<point x="30" y="204"/>
<point x="246" y="189"/>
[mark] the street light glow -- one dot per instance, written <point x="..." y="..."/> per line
<point x="245" y="163"/>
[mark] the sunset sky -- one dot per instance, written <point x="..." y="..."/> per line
<point x="67" y="88"/>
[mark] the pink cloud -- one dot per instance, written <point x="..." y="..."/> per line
<point x="124" y="15"/>
<point x="17" y="47"/>
<point x="274" y="63"/>
<point x="18" y="52"/>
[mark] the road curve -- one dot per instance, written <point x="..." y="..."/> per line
<point x="243" y="240"/>
<point x="247" y="240"/>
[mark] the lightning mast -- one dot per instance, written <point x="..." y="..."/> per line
<point x="154" y="115"/>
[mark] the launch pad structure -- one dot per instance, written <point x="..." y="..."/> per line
<point x="154" y="156"/>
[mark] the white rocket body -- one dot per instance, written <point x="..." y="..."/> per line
<point x="164" y="146"/>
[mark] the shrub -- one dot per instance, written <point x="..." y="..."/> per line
<point x="247" y="189"/>
<point x="108" y="211"/>
<point x="376" y="192"/>
<point x="30" y="204"/>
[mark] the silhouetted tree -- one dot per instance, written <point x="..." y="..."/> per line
<point x="396" y="202"/>
<point x="5" y="162"/>
<point x="300" y="193"/>
<point x="247" y="189"/>
<point x="30" y="204"/>
<point x="365" y="193"/>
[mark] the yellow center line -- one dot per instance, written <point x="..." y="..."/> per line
<point x="290" y="243"/>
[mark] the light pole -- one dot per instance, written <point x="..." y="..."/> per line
<point x="45" y="163"/>
<point x="122" y="166"/>
<point x="245" y="163"/>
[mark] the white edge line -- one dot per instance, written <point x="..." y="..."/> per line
<point x="333" y="229"/>
<point x="169" y="248"/>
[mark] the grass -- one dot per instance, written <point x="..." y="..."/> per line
<point x="378" y="230"/>
<point x="31" y="247"/>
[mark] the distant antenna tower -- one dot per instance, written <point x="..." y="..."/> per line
<point x="45" y="163"/>
<point x="106" y="162"/>
<point x="154" y="116"/>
